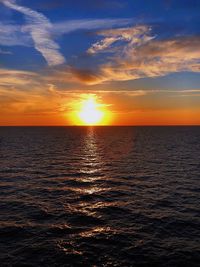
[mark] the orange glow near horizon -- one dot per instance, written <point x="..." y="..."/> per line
<point x="97" y="108"/>
<point x="165" y="117"/>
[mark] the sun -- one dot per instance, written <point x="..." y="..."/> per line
<point x="90" y="112"/>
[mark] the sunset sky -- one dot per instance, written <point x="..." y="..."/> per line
<point x="139" y="60"/>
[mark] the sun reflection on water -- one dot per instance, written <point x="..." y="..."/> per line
<point x="92" y="160"/>
<point x="91" y="167"/>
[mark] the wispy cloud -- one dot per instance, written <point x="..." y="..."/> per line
<point x="39" y="27"/>
<point x="16" y="35"/>
<point x="4" y="52"/>
<point x="38" y="31"/>
<point x="133" y="36"/>
<point x="15" y="78"/>
<point x="65" y="27"/>
<point x="13" y="35"/>
<point x="25" y="92"/>
<point x="136" y="53"/>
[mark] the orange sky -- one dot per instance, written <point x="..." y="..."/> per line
<point x="121" y="108"/>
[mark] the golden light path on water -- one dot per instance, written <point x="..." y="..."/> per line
<point x="94" y="178"/>
<point x="91" y="169"/>
<point x="92" y="161"/>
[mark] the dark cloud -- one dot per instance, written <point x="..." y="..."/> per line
<point x="87" y="76"/>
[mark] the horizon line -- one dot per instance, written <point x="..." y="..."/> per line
<point x="139" y="125"/>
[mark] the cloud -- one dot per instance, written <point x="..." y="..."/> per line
<point x="16" y="102"/>
<point x="65" y="27"/>
<point x="39" y="27"/>
<point x="133" y="36"/>
<point x="102" y="45"/>
<point x="4" y="52"/>
<point x="15" y="78"/>
<point x="87" y="76"/>
<point x="38" y="31"/>
<point x="136" y="53"/>
<point x="25" y="92"/>
<point x="13" y="35"/>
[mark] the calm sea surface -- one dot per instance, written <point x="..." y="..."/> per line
<point x="101" y="196"/>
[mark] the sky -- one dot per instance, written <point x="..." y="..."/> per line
<point x="139" y="60"/>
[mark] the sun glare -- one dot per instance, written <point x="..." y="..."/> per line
<point x="89" y="110"/>
<point x="90" y="113"/>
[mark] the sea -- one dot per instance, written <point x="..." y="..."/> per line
<point x="100" y="196"/>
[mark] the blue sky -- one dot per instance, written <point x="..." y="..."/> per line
<point x="167" y="18"/>
<point x="101" y="45"/>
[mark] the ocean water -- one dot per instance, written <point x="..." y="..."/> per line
<point x="100" y="196"/>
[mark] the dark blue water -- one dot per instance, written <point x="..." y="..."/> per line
<point x="102" y="196"/>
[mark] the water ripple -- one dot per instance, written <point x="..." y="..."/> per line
<point x="101" y="196"/>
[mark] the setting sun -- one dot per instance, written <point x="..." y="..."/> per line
<point x="90" y="113"/>
<point x="89" y="110"/>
